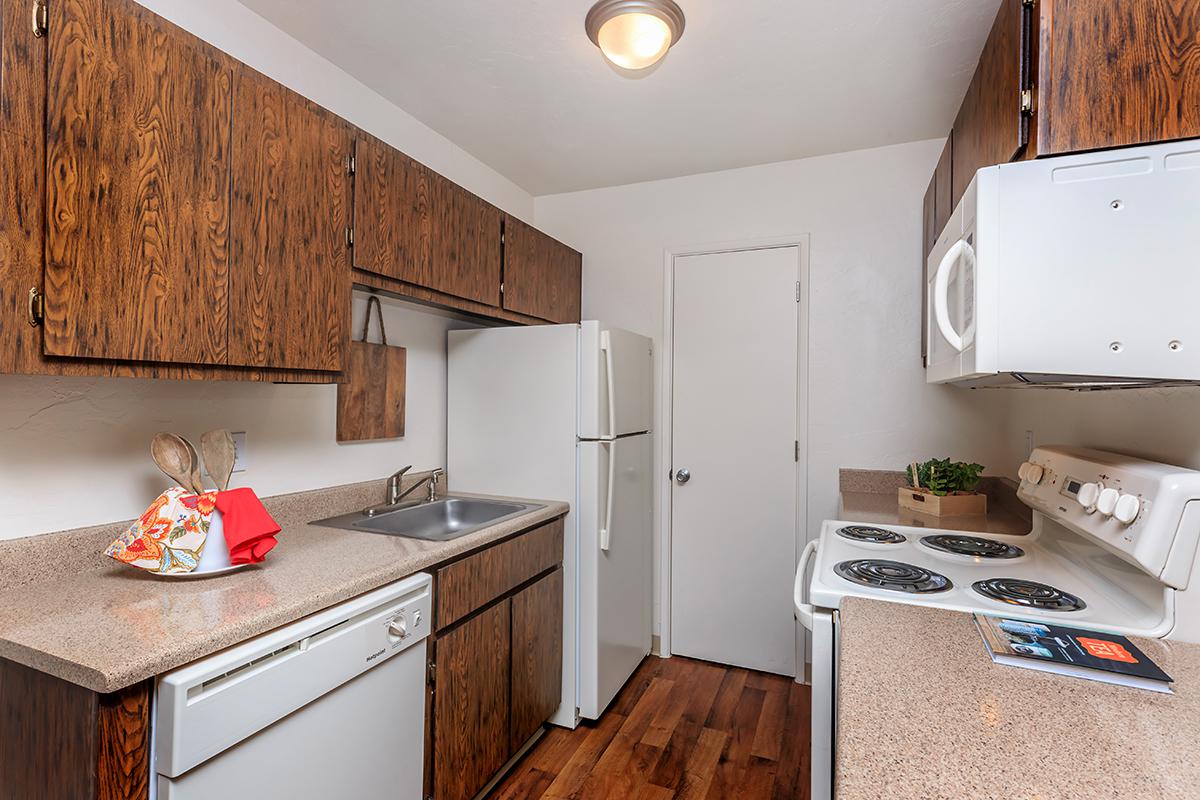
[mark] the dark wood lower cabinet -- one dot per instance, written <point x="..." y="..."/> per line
<point x="470" y="701"/>
<point x="537" y="629"/>
<point x="497" y="673"/>
<point x="60" y="741"/>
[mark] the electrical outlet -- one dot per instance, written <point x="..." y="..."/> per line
<point x="240" y="451"/>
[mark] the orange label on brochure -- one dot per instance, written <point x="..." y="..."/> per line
<point x="1112" y="651"/>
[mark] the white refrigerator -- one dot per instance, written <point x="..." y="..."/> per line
<point x="563" y="412"/>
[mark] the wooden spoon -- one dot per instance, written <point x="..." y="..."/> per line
<point x="219" y="453"/>
<point x="171" y="455"/>
<point x="195" y="466"/>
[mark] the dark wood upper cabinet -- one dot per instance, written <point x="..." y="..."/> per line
<point x="1117" y="73"/>
<point x="392" y="214"/>
<point x="471" y="704"/>
<point x="991" y="127"/>
<point x="137" y="251"/>
<point x="289" y="277"/>
<point x="541" y="275"/>
<point x="22" y="72"/>
<point x="537" y="629"/>
<point x="465" y="252"/>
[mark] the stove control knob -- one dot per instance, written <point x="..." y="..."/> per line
<point x="1034" y="473"/>
<point x="1127" y="509"/>
<point x="1106" y="503"/>
<point x="1088" y="494"/>
<point x="1021" y="470"/>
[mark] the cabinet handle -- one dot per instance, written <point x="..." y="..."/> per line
<point x="40" y="19"/>
<point x="37" y="307"/>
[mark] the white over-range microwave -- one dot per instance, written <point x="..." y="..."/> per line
<point x="1079" y="271"/>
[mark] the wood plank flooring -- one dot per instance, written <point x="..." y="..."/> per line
<point x="679" y="729"/>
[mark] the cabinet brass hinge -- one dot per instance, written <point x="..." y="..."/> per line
<point x="1027" y="101"/>
<point x="797" y="291"/>
<point x="37" y="307"/>
<point x="40" y="18"/>
<point x="349" y="237"/>
<point x="796" y="454"/>
<point x="430" y="672"/>
<point x="502" y="287"/>
<point x="351" y="164"/>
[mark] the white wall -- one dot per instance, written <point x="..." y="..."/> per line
<point x="869" y="405"/>
<point x="1157" y="424"/>
<point x="74" y="451"/>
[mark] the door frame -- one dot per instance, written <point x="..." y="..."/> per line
<point x="666" y="375"/>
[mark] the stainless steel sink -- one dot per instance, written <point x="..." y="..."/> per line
<point x="438" y="521"/>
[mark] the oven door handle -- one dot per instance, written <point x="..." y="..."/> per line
<point x="804" y="611"/>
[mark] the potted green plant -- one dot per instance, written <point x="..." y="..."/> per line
<point x="943" y="488"/>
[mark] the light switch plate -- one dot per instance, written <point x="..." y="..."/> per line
<point x="240" y="452"/>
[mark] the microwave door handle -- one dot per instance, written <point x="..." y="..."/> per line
<point x="804" y="611"/>
<point x="941" y="292"/>
<point x="606" y="529"/>
<point x="606" y="348"/>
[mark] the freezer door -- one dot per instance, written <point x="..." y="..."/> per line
<point x="615" y="382"/>
<point x="614" y="567"/>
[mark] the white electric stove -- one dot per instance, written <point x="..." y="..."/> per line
<point x="1113" y="547"/>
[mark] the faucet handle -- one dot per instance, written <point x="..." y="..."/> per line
<point x="400" y="472"/>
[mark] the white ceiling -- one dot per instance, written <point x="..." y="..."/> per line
<point x="517" y="84"/>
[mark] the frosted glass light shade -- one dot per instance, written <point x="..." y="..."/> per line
<point x="634" y="34"/>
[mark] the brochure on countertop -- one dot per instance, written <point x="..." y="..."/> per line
<point x="1095" y="656"/>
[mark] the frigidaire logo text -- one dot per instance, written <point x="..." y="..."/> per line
<point x="374" y="656"/>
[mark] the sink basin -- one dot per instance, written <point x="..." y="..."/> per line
<point x="438" y="521"/>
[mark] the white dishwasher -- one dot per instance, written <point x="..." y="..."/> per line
<point x="330" y="706"/>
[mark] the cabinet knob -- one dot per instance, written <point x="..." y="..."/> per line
<point x="682" y="476"/>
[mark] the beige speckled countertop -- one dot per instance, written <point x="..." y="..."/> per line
<point x="106" y="626"/>
<point x="869" y="497"/>
<point x="923" y="713"/>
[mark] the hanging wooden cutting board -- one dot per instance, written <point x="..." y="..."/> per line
<point x="370" y="401"/>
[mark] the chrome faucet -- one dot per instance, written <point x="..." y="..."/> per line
<point x="395" y="496"/>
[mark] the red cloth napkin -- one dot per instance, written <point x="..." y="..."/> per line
<point x="249" y="529"/>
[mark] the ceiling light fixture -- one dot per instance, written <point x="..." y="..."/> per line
<point x="634" y="34"/>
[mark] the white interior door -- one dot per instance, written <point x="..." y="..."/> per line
<point x="735" y="433"/>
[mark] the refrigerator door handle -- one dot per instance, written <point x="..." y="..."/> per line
<point x="606" y="348"/>
<point x="606" y="528"/>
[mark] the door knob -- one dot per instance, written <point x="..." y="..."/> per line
<point x="683" y="475"/>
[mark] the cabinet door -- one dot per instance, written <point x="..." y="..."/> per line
<point x="471" y="704"/>
<point x="1117" y="73"/>
<point x="990" y="127"/>
<point x="541" y="275"/>
<point x="22" y="72"/>
<point x="289" y="278"/>
<point x="465" y="243"/>
<point x="537" y="637"/>
<point x="137" y="128"/>
<point x="391" y="213"/>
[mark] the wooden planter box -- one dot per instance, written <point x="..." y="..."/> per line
<point x="951" y="505"/>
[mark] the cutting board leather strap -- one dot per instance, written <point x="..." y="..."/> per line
<point x="373" y="301"/>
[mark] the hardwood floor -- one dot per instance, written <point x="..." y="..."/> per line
<point x="679" y="729"/>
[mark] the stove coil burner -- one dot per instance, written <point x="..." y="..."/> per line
<point x="972" y="546"/>
<point x="1028" y="594"/>
<point x="893" y="575"/>
<point x="865" y="533"/>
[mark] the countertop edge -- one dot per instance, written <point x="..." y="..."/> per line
<point x="97" y="680"/>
